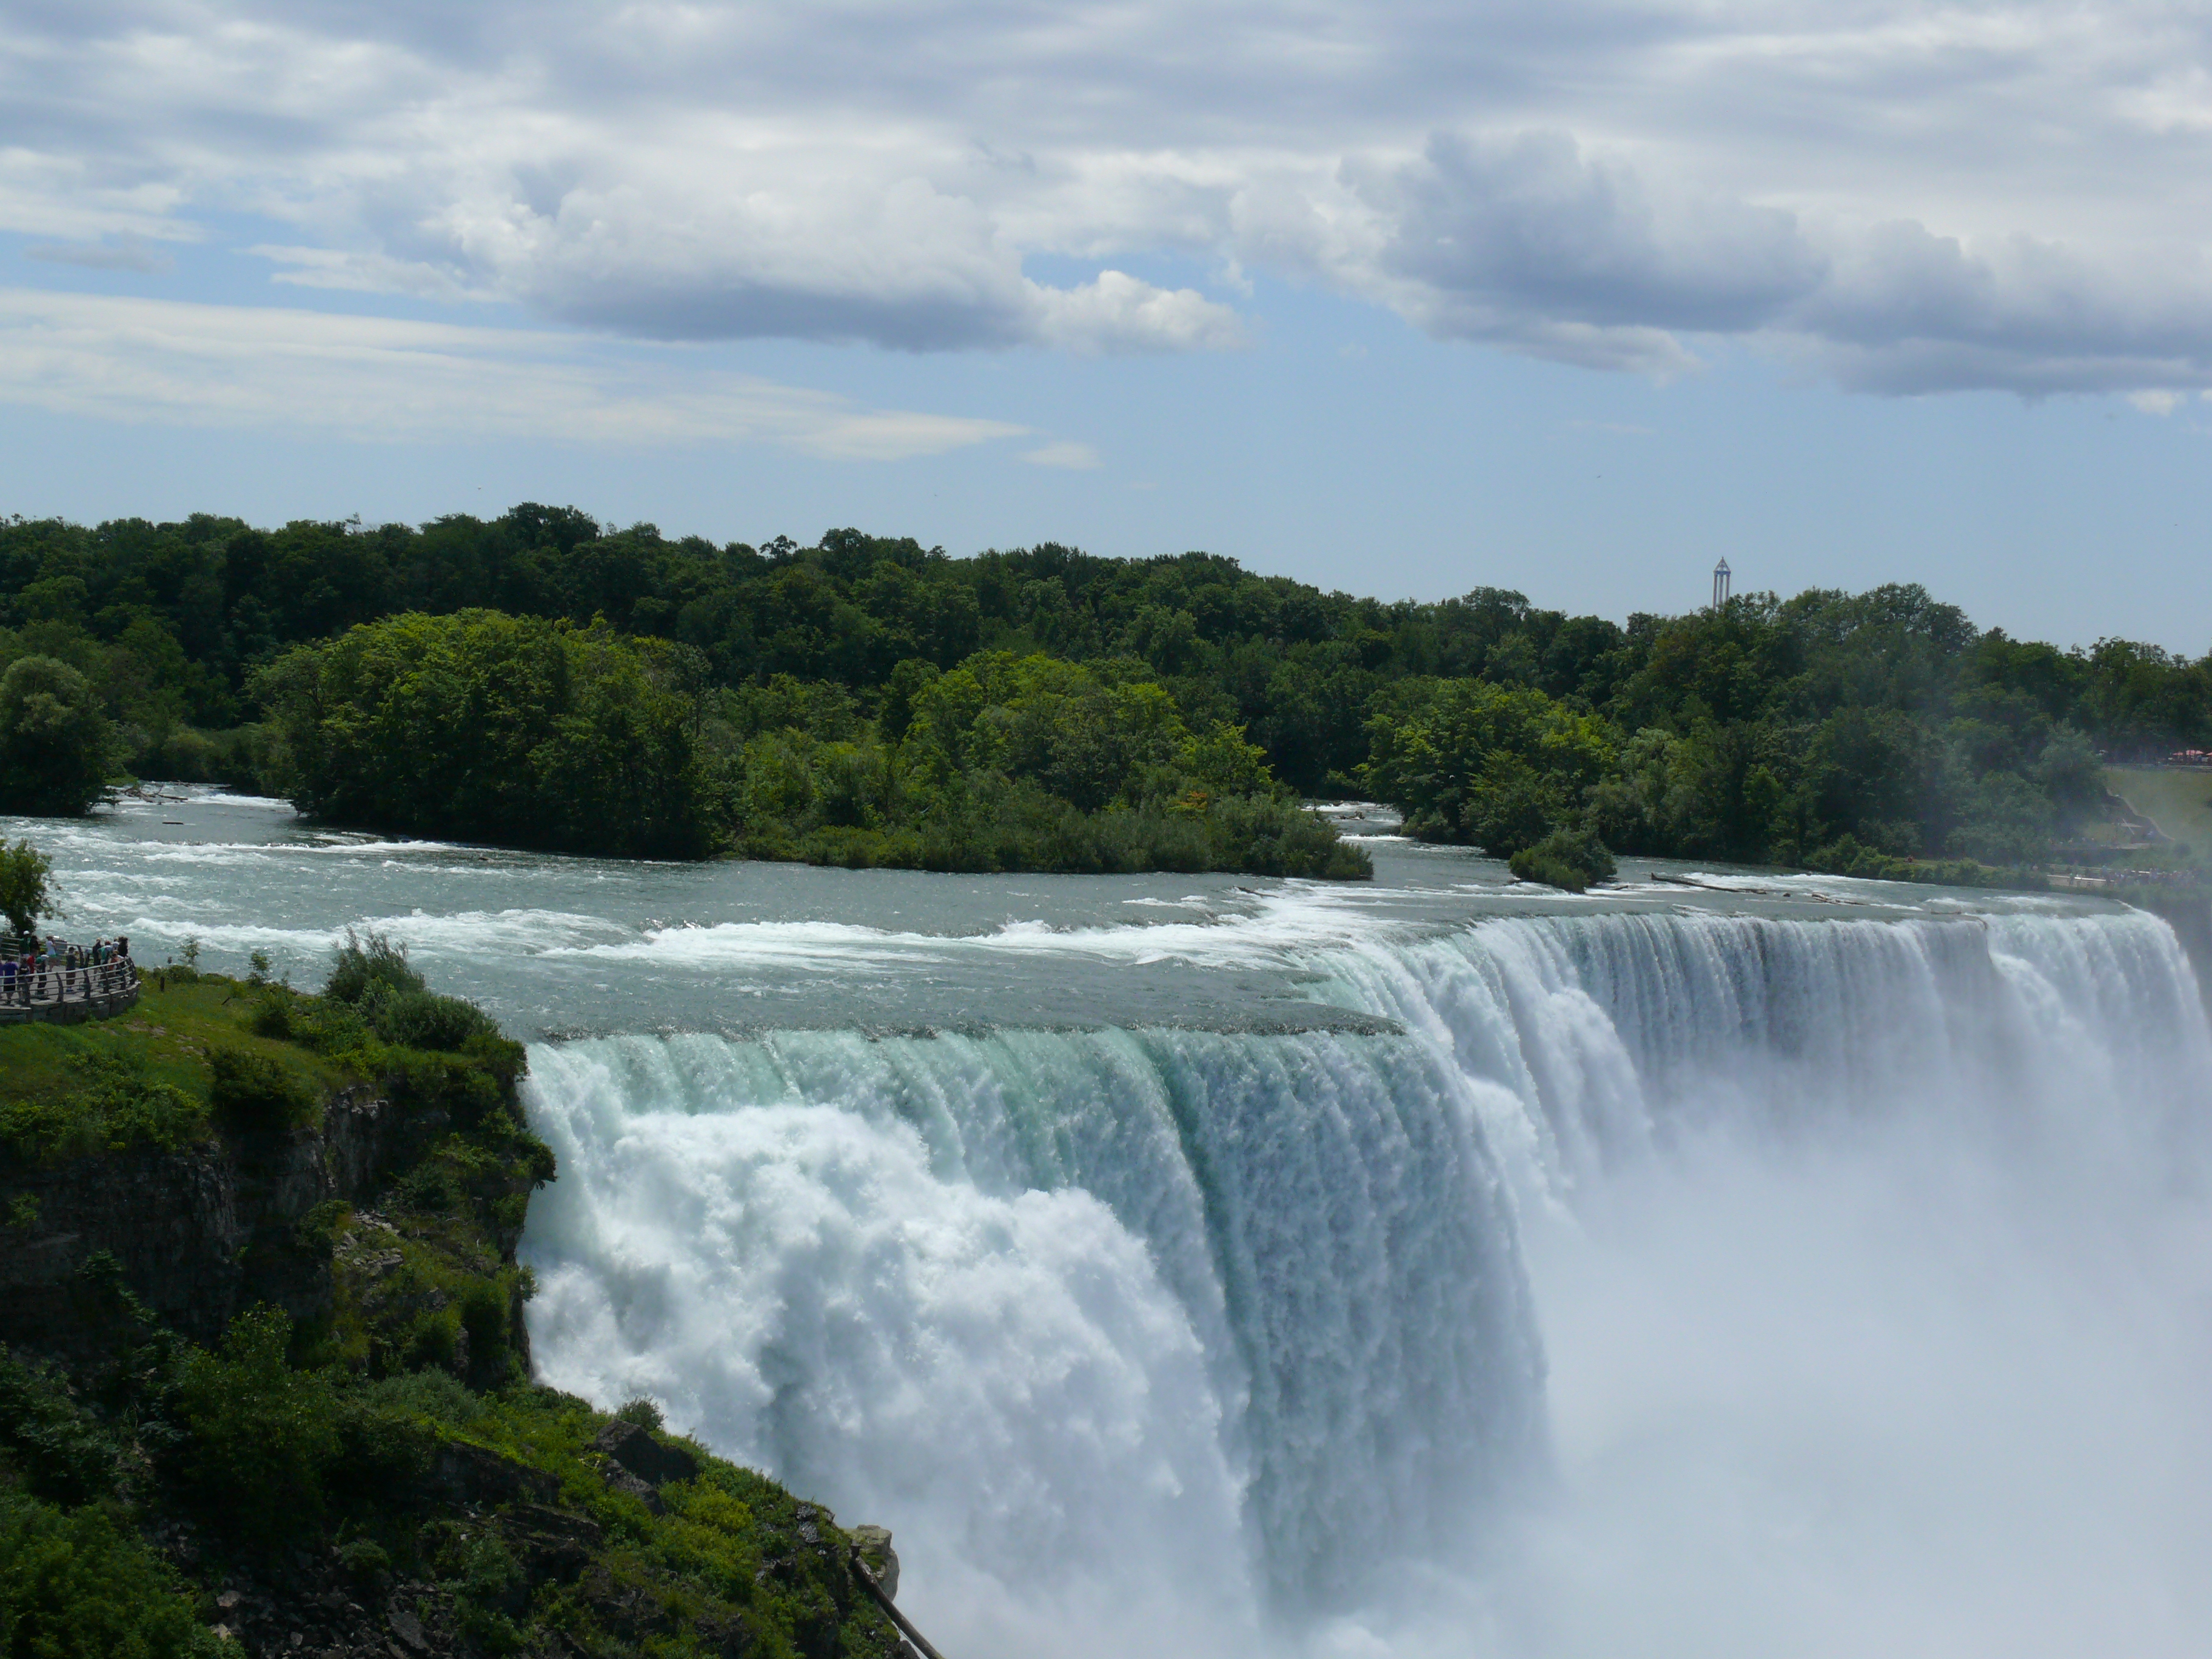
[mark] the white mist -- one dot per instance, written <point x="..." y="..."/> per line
<point x="1706" y="1285"/>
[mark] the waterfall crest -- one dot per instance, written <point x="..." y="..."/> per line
<point x="1225" y="1329"/>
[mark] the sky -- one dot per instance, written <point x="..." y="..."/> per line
<point x="1572" y="297"/>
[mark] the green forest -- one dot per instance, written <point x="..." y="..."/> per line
<point x="540" y="679"/>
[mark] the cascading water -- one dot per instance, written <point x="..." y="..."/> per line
<point x="1189" y="1336"/>
<point x="1805" y="1267"/>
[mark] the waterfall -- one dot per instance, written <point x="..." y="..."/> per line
<point x="1192" y="1334"/>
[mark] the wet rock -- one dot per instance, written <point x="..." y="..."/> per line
<point x="408" y="1628"/>
<point x="873" y="1546"/>
<point x="619" y="1478"/>
<point x="553" y="1544"/>
<point x="644" y="1456"/>
<point x="478" y="1474"/>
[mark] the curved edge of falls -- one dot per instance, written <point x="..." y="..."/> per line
<point x="1122" y="1327"/>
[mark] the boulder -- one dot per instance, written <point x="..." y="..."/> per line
<point x="619" y="1478"/>
<point x="644" y="1456"/>
<point x="873" y="1546"/>
<point x="477" y="1475"/>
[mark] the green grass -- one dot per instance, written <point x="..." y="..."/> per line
<point x="2178" y="799"/>
<point x="144" y="1078"/>
<point x="166" y="1036"/>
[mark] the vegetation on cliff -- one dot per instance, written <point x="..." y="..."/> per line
<point x="637" y="691"/>
<point x="264" y="1378"/>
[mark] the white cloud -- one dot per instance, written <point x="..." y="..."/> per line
<point x="1080" y="458"/>
<point x="1908" y="198"/>
<point x="363" y="273"/>
<point x="1117" y="314"/>
<point x="125" y="253"/>
<point x="165" y="361"/>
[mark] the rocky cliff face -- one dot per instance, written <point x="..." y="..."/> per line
<point x="275" y="1379"/>
<point x="199" y="1235"/>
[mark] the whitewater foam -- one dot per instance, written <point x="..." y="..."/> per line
<point x="1246" y="1332"/>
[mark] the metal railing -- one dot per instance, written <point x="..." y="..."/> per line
<point x="31" y="979"/>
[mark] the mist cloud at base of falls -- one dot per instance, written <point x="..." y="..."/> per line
<point x="1844" y="1238"/>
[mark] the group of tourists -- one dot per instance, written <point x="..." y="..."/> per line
<point x="55" y="970"/>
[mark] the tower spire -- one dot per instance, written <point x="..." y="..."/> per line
<point x="1720" y="584"/>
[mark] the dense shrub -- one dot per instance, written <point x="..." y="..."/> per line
<point x="1571" y="859"/>
<point x="363" y="968"/>
<point x="76" y="1586"/>
<point x="424" y="1019"/>
<point x="1846" y="856"/>
<point x="435" y="1395"/>
<point x="64" y="1455"/>
<point x="254" y="1093"/>
<point x="262" y="1435"/>
<point x="116" y="1106"/>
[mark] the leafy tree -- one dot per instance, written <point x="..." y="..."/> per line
<point x="1496" y="766"/>
<point x="26" y="887"/>
<point x="56" y="746"/>
<point x="484" y="726"/>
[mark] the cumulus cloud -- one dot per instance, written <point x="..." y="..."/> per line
<point x="1907" y="199"/>
<point x="166" y="361"/>
<point x="1528" y="242"/>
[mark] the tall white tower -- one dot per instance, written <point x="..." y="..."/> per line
<point x="1720" y="584"/>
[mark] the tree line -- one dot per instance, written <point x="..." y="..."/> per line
<point x="540" y="677"/>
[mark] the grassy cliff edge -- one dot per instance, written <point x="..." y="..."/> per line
<point x="265" y="1383"/>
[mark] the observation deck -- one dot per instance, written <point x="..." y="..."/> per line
<point x="69" y="991"/>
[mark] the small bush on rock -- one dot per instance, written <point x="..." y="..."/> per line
<point x="253" y="1093"/>
<point x="1571" y="859"/>
<point x="424" y="1019"/>
<point x="369" y="965"/>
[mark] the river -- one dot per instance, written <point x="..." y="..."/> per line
<point x="1766" y="1265"/>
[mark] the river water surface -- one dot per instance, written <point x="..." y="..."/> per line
<point x="1760" y="1266"/>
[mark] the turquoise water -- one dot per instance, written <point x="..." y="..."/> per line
<point x="1753" y="1265"/>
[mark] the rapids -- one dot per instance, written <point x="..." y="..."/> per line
<point x="1771" y="1266"/>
